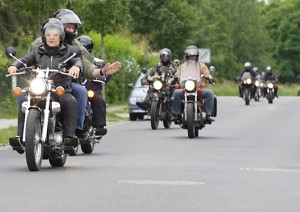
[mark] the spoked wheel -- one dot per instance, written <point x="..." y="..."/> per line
<point x="190" y="120"/>
<point x="33" y="144"/>
<point x="154" y="115"/>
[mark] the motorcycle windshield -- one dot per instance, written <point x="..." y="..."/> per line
<point x="190" y="70"/>
<point x="246" y="75"/>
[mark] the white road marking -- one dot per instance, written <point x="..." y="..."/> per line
<point x="269" y="170"/>
<point x="161" y="182"/>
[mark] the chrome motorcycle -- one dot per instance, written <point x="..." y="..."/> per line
<point x="269" y="91"/>
<point x="247" y="86"/>
<point x="194" y="117"/>
<point x="42" y="134"/>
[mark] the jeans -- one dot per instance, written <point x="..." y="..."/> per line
<point x="80" y="93"/>
<point x="206" y="93"/>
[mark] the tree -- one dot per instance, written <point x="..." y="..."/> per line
<point x="103" y="16"/>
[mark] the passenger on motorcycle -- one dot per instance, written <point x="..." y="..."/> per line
<point x="49" y="54"/>
<point x="71" y="22"/>
<point x="270" y="75"/>
<point x="165" y="55"/>
<point x="247" y="68"/>
<point x="192" y="54"/>
<point x="98" y="103"/>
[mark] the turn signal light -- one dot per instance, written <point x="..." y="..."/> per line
<point x="17" y="91"/>
<point x="60" y="91"/>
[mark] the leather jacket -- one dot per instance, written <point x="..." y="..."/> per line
<point x="38" y="57"/>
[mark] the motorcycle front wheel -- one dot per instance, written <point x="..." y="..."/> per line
<point x="33" y="145"/>
<point x="247" y="96"/>
<point x="154" y="115"/>
<point x="190" y="114"/>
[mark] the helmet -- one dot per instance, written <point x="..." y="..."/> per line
<point x="212" y="69"/>
<point x="255" y="69"/>
<point x="191" y="51"/>
<point x="247" y="65"/>
<point x="165" y="55"/>
<point x="269" y="69"/>
<point x="87" y="42"/>
<point x="50" y="25"/>
<point x="68" y="17"/>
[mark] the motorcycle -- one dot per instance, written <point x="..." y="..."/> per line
<point x="194" y="118"/>
<point x="89" y="138"/>
<point x="160" y="95"/>
<point x="269" y="91"/>
<point x="247" y="87"/>
<point x="42" y="134"/>
<point x="257" y="93"/>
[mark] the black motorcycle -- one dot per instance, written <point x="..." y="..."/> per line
<point x="247" y="87"/>
<point x="269" y="91"/>
<point x="42" y="134"/>
<point x="160" y="95"/>
<point x="89" y="138"/>
<point x="194" y="118"/>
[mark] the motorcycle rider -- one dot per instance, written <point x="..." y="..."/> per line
<point x="53" y="51"/>
<point x="71" y="23"/>
<point x="98" y="103"/>
<point x="165" y="56"/>
<point x="247" y="68"/>
<point x="270" y="75"/>
<point x="192" y="54"/>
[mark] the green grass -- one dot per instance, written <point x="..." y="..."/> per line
<point x="5" y="134"/>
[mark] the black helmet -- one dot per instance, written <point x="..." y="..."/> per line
<point x="191" y="51"/>
<point x="68" y="17"/>
<point x="53" y="24"/>
<point x="87" y="42"/>
<point x="165" y="55"/>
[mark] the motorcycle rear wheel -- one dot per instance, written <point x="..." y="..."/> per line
<point x="190" y="120"/>
<point x="33" y="145"/>
<point x="154" y="115"/>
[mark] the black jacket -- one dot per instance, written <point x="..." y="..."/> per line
<point x="38" y="57"/>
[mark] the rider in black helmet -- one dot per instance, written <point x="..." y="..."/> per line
<point x="98" y="103"/>
<point x="165" y="56"/>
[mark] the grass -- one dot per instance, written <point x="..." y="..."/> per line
<point x="5" y="134"/>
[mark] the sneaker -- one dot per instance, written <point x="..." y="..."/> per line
<point x="71" y="141"/>
<point x="144" y="105"/>
<point x="100" y="131"/>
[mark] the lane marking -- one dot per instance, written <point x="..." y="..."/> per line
<point x="161" y="182"/>
<point x="269" y="170"/>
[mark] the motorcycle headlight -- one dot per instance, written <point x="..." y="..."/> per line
<point x="270" y="85"/>
<point x="157" y="85"/>
<point x="38" y="86"/>
<point x="249" y="81"/>
<point x="190" y="85"/>
<point x="256" y="83"/>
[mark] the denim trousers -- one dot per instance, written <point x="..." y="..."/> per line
<point x="80" y="94"/>
<point x="206" y="93"/>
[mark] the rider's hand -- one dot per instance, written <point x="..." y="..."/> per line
<point x="12" y="69"/>
<point x="110" y="69"/>
<point x="74" y="71"/>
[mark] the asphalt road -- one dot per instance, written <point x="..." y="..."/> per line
<point x="247" y="160"/>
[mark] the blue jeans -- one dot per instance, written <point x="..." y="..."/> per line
<point x="80" y="93"/>
<point x="206" y="93"/>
